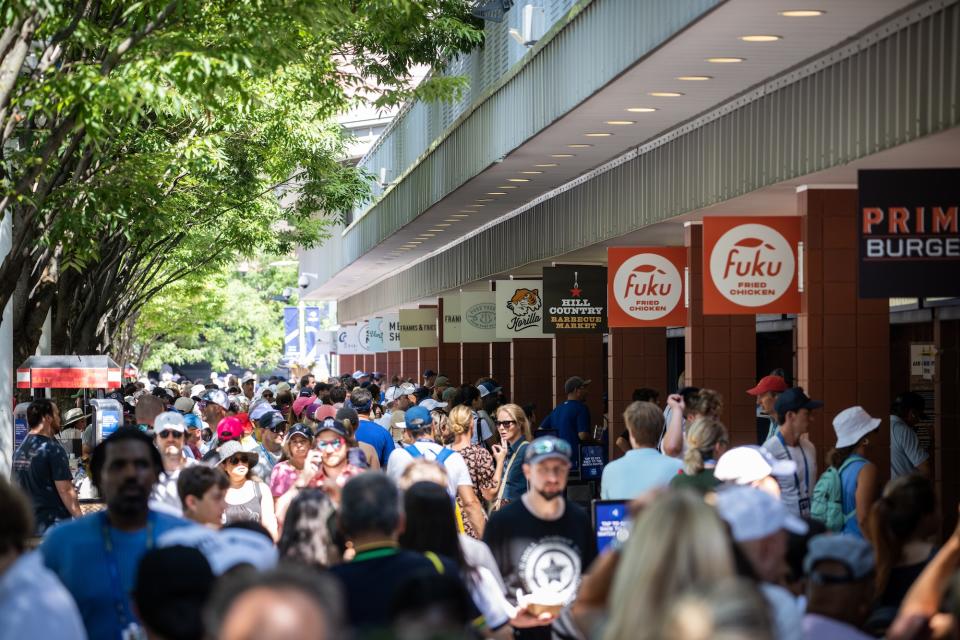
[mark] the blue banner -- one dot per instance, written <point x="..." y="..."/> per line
<point x="291" y="333"/>
<point x="311" y="331"/>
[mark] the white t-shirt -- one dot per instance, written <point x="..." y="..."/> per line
<point x="796" y="498"/>
<point x="785" y="611"/>
<point x="457" y="473"/>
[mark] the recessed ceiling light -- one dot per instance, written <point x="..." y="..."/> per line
<point x="459" y="215"/>
<point x="442" y="224"/>
<point x="598" y="134"/>
<point x="802" y="13"/>
<point x="452" y="219"/>
<point x="415" y="242"/>
<point x="619" y="122"/>
<point x="665" y="94"/>
<point x="549" y="164"/>
<point x="563" y="155"/>
<point x="694" y="78"/>
<point x="761" y="38"/>
<point x="641" y="109"/>
<point x="531" y="173"/>
<point x="426" y="235"/>
<point x="496" y="193"/>
<point x="725" y="60"/>
<point x="507" y="186"/>
<point x="484" y="199"/>
<point x="476" y="205"/>
<point x="519" y="179"/>
<point x="437" y="230"/>
<point x="579" y="146"/>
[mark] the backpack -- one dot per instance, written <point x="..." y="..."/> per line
<point x="827" y="502"/>
<point x="441" y="457"/>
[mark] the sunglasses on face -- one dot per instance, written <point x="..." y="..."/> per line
<point x="330" y="445"/>
<point x="505" y="423"/>
<point x="238" y="459"/>
<point x="167" y="433"/>
<point x="280" y="429"/>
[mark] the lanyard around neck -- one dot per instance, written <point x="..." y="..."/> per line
<point x="806" y="469"/>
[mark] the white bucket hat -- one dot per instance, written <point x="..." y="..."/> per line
<point x="852" y="424"/>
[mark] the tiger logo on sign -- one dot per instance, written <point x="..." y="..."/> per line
<point x="525" y="305"/>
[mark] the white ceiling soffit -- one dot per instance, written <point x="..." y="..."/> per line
<point x="718" y="35"/>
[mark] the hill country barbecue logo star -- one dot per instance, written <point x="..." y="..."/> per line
<point x="575" y="291"/>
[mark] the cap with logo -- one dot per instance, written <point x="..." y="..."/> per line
<point x="334" y="425"/>
<point x="487" y="387"/>
<point x="416" y="418"/>
<point x="854" y="554"/>
<point x="169" y="420"/>
<point x="852" y="424"/>
<point x="769" y="384"/>
<point x="192" y="421"/>
<point x="216" y="396"/>
<point x="229" y="428"/>
<point x="748" y="464"/>
<point x="299" y="429"/>
<point x="547" y="447"/>
<point x="574" y="383"/>
<point x="794" y="399"/>
<point x="72" y="415"/>
<point x="753" y="514"/>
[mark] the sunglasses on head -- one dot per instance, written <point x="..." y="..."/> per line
<point x="505" y="423"/>
<point x="238" y="459"/>
<point x="166" y="433"/>
<point x="540" y="447"/>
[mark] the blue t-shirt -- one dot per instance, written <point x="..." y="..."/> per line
<point x="848" y="494"/>
<point x="76" y="552"/>
<point x="638" y="471"/>
<point x="378" y="438"/>
<point x="569" y="419"/>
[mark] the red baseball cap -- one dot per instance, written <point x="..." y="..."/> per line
<point x="229" y="428"/>
<point x="324" y="411"/>
<point x="776" y="384"/>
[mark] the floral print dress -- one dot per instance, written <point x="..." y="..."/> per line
<point x="481" y="466"/>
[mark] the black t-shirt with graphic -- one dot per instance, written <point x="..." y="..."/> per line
<point x="37" y="465"/>
<point x="540" y="555"/>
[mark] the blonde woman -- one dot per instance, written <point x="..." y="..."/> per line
<point x="707" y="440"/>
<point x="656" y="569"/>
<point x="515" y="435"/>
<point x="479" y="461"/>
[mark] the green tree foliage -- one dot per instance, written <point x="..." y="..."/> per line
<point x="143" y="142"/>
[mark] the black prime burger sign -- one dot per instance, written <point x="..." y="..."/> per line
<point x="909" y="237"/>
<point x="574" y="299"/>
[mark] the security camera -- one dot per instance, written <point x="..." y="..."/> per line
<point x="303" y="281"/>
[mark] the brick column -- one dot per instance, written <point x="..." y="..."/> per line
<point x="531" y="373"/>
<point x="347" y="363"/>
<point x="580" y="355"/>
<point x="720" y="351"/>
<point x="380" y="362"/>
<point x="368" y="363"/>
<point x="394" y="366"/>
<point x="501" y="365"/>
<point x="843" y="342"/>
<point x="946" y="438"/>
<point x="635" y="358"/>
<point x="476" y="361"/>
<point x="448" y="353"/>
<point x="410" y="364"/>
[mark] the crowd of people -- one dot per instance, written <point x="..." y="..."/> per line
<point x="372" y="508"/>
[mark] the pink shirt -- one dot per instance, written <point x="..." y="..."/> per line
<point x="282" y="478"/>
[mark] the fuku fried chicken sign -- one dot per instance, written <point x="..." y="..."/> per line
<point x="645" y="286"/>
<point x="750" y="265"/>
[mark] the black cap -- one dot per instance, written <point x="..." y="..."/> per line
<point x="330" y="424"/>
<point x="299" y="429"/>
<point x="429" y="373"/>
<point x="910" y="400"/>
<point x="271" y="420"/>
<point x="794" y="399"/>
<point x="306" y="392"/>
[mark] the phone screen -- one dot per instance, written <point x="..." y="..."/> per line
<point x="610" y="521"/>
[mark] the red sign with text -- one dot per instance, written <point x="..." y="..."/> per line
<point x="751" y="265"/>
<point x="645" y="286"/>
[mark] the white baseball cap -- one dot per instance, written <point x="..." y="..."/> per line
<point x="746" y="465"/>
<point x="250" y="377"/>
<point x="226" y="548"/>
<point x="753" y="514"/>
<point x="852" y="424"/>
<point x="430" y="404"/>
<point x="172" y="420"/>
<point x="197" y="390"/>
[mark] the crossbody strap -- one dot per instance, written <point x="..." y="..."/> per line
<point x="506" y="472"/>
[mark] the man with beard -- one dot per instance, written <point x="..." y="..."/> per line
<point x="96" y="556"/>
<point x="170" y="432"/>
<point x="542" y="543"/>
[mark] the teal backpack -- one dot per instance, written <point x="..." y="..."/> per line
<point x="827" y="503"/>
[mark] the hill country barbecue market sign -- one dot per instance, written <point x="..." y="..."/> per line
<point x="575" y="297"/>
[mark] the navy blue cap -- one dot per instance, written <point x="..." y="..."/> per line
<point x="794" y="399"/>
<point x="271" y="420"/>
<point x="416" y="418"/>
<point x="331" y="424"/>
<point x="299" y="429"/>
